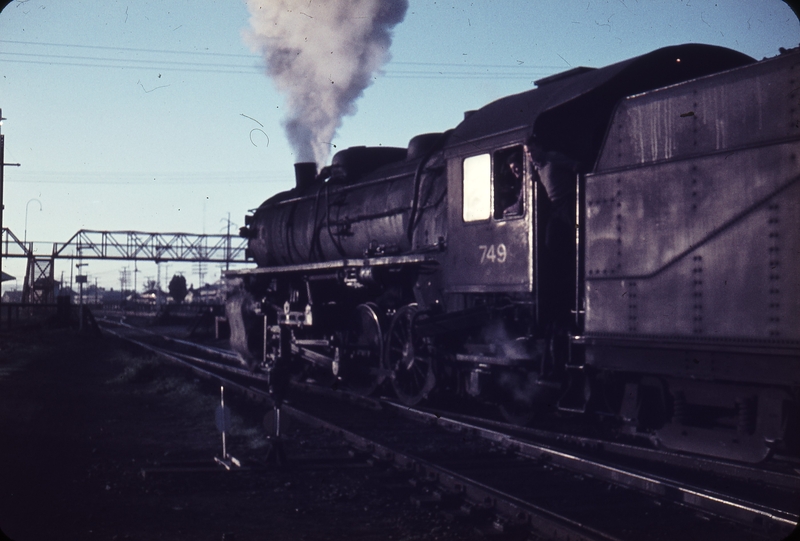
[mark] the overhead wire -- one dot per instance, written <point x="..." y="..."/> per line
<point x="234" y="55"/>
<point x="129" y="49"/>
<point x="256" y="70"/>
<point x="106" y="59"/>
<point x="493" y="71"/>
<point x="140" y="178"/>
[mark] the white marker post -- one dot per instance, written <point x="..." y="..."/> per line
<point x="223" y="421"/>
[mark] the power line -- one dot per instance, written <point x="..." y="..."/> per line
<point x="260" y="68"/>
<point x="125" y="178"/>
<point x="129" y="49"/>
<point x="251" y="56"/>
<point x="81" y="65"/>
<point x="106" y="59"/>
<point x="135" y="183"/>
<point x="387" y="74"/>
<point x="189" y="175"/>
<point x="519" y="72"/>
<point x="140" y="183"/>
<point x="392" y="74"/>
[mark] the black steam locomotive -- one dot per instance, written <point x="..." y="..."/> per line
<point x="617" y="242"/>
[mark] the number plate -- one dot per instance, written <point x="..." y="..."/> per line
<point x="493" y="253"/>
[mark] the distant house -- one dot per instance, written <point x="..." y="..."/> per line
<point x="65" y="291"/>
<point x="12" y="296"/>
<point x="150" y="296"/>
<point x="207" y="294"/>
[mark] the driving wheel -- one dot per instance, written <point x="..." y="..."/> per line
<point x="362" y="351"/>
<point x="408" y="359"/>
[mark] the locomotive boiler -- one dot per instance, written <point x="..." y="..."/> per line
<point x="617" y="243"/>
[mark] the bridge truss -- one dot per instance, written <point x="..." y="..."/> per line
<point x="135" y="245"/>
<point x="116" y="245"/>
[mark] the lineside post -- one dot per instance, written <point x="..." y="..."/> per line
<point x="223" y="421"/>
<point x="278" y="384"/>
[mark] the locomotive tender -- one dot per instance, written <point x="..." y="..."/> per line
<point x="617" y="242"/>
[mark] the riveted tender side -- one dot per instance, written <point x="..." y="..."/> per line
<point x="692" y="232"/>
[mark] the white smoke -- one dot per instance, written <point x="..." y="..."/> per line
<point x="322" y="55"/>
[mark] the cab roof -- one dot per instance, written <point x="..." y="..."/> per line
<point x="581" y="99"/>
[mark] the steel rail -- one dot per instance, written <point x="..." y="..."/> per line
<point x="712" y="502"/>
<point x="176" y="359"/>
<point x="216" y="351"/>
<point x="731" y="469"/>
<point x="475" y="492"/>
<point x="510" y="507"/>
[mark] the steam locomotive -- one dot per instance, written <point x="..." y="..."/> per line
<point x="618" y="243"/>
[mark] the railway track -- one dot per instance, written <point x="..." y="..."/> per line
<point x="524" y="480"/>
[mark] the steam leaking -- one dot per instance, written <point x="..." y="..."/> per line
<point x="322" y="55"/>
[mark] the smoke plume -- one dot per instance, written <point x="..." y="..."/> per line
<point x="322" y="55"/>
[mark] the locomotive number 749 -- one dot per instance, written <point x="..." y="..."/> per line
<point x="493" y="254"/>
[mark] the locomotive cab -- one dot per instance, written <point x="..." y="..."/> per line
<point x="515" y="280"/>
<point x="489" y="227"/>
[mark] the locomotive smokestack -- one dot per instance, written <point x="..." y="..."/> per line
<point x="304" y="174"/>
<point x="322" y="55"/>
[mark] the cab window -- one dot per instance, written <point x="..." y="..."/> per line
<point x="477" y="173"/>
<point x="508" y="178"/>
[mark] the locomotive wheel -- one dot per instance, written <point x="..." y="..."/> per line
<point x="361" y="369"/>
<point x="405" y="356"/>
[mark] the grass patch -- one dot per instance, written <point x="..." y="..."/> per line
<point x="136" y="369"/>
<point x="149" y="374"/>
<point x="17" y="350"/>
<point x="254" y="438"/>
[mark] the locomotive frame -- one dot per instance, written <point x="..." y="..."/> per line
<point x="564" y="251"/>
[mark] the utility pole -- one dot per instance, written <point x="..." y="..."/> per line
<point x="123" y="282"/>
<point x="81" y="278"/>
<point x="228" y="257"/>
<point x="3" y="165"/>
<point x="228" y="240"/>
<point x="158" y="285"/>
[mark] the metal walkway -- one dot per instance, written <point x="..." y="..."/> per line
<point x="133" y="245"/>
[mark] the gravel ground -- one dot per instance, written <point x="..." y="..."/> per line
<point x="82" y="418"/>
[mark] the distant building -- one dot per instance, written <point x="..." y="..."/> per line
<point x="150" y="296"/>
<point x="12" y="296"/>
<point x="208" y="294"/>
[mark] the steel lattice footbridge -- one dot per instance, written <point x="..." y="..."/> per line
<point x="132" y="245"/>
<point x="89" y="244"/>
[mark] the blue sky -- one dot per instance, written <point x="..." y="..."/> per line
<point x="140" y="115"/>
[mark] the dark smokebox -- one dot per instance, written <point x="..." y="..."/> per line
<point x="304" y="174"/>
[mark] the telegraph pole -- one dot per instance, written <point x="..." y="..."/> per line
<point x="3" y="165"/>
<point x="82" y="279"/>
<point x="228" y="240"/>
